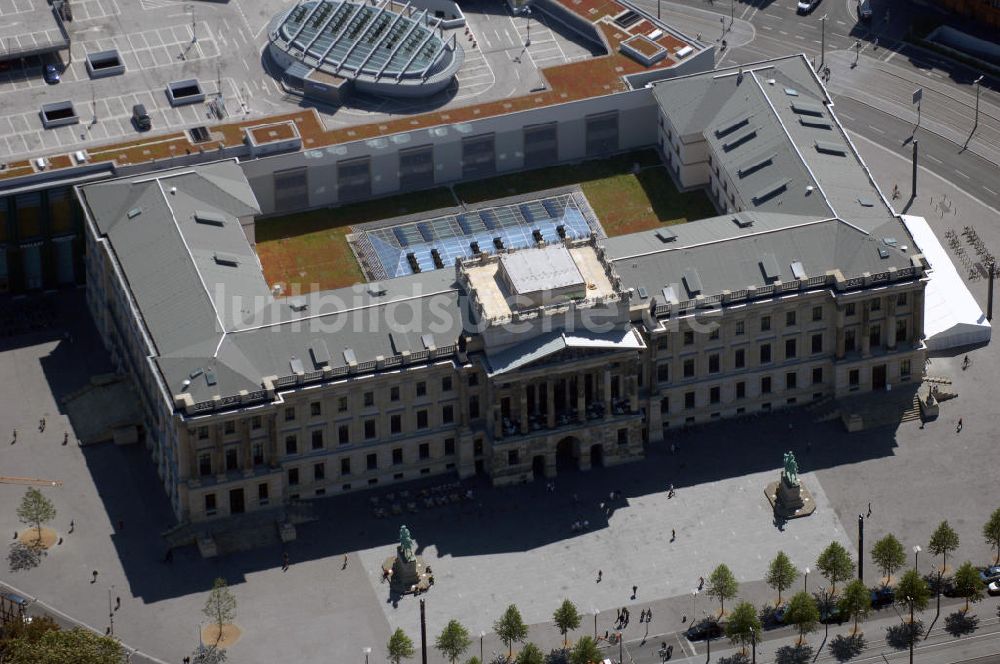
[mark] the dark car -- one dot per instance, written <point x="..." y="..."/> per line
<point x="882" y="597"/>
<point x="141" y="118"/>
<point x="706" y="629"/>
<point x="51" y="74"/>
<point x="990" y="574"/>
<point x="830" y="614"/>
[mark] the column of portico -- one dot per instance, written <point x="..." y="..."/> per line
<point x="550" y="402"/>
<point x="890" y="323"/>
<point x="271" y="444"/>
<point x="187" y="457"/>
<point x="841" y="344"/>
<point x="916" y="333"/>
<point x="523" y="396"/>
<point x="218" y="456"/>
<point x="497" y="416"/>
<point x="581" y="397"/>
<point x="866" y="326"/>
<point x="606" y="375"/>
<point x="246" y="449"/>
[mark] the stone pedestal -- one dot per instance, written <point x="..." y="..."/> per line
<point x="788" y="500"/>
<point x="407" y="576"/>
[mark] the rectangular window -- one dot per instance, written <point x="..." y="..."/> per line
<point x="817" y="375"/>
<point x="397" y="456"/>
<point x="740" y="358"/>
<point x="901" y="330"/>
<point x="229" y="427"/>
<point x="765" y="385"/>
<point x="689" y="400"/>
<point x="421" y="389"/>
<point x="371" y="461"/>
<point x="394" y="393"/>
<point x="765" y="323"/>
<point x="345" y="466"/>
<point x="688" y="337"/>
<point x="904" y="368"/>
<point x="817" y="343"/>
<point x="850" y="340"/>
<point x="740" y="328"/>
<point x="202" y="433"/>
<point x="315" y="409"/>
<point x="791" y="380"/>
<point x="319" y="471"/>
<point x="477" y="447"/>
<point x="817" y="313"/>
<point x="258" y="454"/>
<point x="446" y="384"/>
<point x="714" y="395"/>
<point x="662" y="372"/>
<point x="449" y="446"/>
<point x="790" y="349"/>
<point x="789" y="318"/>
<point x="901" y="300"/>
<point x="689" y="368"/>
<point x="713" y="363"/>
<point x="342" y="405"/>
<point x="369" y="429"/>
<point x="473" y="380"/>
<point x="512" y="458"/>
<point x="713" y="335"/>
<point x="473" y="407"/>
<point x="421" y="419"/>
<point x="663" y="343"/>
<point x="317" y="439"/>
<point x="369" y="399"/>
<point x="395" y="424"/>
<point x="344" y="434"/>
<point x="425" y="451"/>
<point x="204" y="464"/>
<point x="854" y="377"/>
<point x="447" y="414"/>
<point x="741" y="390"/>
<point x="877" y="304"/>
<point x="293" y="477"/>
<point x="210" y="503"/>
<point x="623" y="436"/>
<point x="765" y="353"/>
<point x="255" y="422"/>
<point x="289" y="413"/>
<point x="875" y="336"/>
<point x="665" y="405"/>
<point x="849" y="309"/>
<point x="291" y="444"/>
<point x="232" y="459"/>
<point x="262" y="494"/>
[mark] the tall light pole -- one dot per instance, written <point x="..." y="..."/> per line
<point x="595" y="623"/>
<point x="527" y="23"/>
<point x="366" y="651"/>
<point x="482" y="635"/>
<point x="822" y="41"/>
<point x="111" y="615"/>
<point x="732" y="13"/>
<point x="978" y="83"/>
<point x="857" y="52"/>
<point x="753" y="641"/>
<point x="694" y="605"/>
<point x="916" y="557"/>
<point x="910" y="600"/>
<point x="805" y="581"/>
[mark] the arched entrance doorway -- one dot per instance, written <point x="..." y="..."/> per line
<point x="567" y="452"/>
<point x="596" y="455"/>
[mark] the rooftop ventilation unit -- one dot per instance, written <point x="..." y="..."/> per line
<point x="210" y="377"/>
<point x="807" y="108"/>
<point x="692" y="281"/>
<point x="743" y="222"/>
<point x="133" y="213"/>
<point x="831" y="148"/>
<point x="769" y="266"/>
<point x="320" y="353"/>
<point x="739" y="140"/>
<point x="643" y="293"/>
<point x="771" y="190"/>
<point x="731" y="127"/>
<point x="883" y="252"/>
<point x="228" y="260"/>
<point x="298" y="304"/>
<point x="376" y="289"/>
<point x="666" y="235"/>
<point x="755" y="165"/>
<point x="791" y="92"/>
<point x="209" y="218"/>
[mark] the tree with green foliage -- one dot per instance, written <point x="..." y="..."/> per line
<point x="991" y="531"/>
<point x="888" y="555"/>
<point x="912" y="591"/>
<point x="743" y="624"/>
<point x="453" y="641"/>
<point x="968" y="584"/>
<point x="55" y="646"/>
<point x="803" y="613"/>
<point x="781" y="574"/>
<point x="856" y="602"/>
<point x="399" y="647"/>
<point x="835" y="564"/>
<point x="510" y="628"/>
<point x="220" y="607"/>
<point x="566" y="618"/>
<point x="722" y="585"/>
<point x="943" y="541"/>
<point x="585" y="652"/>
<point x="208" y="654"/>
<point x="473" y="660"/>
<point x="34" y="510"/>
<point x="530" y="654"/>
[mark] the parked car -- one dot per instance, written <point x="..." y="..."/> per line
<point x="141" y="118"/>
<point x="882" y="597"/>
<point x="51" y="74"/>
<point x="707" y="628"/>
<point x="806" y="6"/>
<point x="993" y="588"/>
<point x="990" y="574"/>
<point x="830" y="615"/>
<point x="865" y="10"/>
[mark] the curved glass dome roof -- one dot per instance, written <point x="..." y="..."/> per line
<point x="354" y="40"/>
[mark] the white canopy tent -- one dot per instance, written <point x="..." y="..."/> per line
<point x="952" y="317"/>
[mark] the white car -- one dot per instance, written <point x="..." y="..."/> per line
<point x="806" y="6"/>
<point x="993" y="588"/>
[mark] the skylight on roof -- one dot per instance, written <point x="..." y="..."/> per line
<point x="739" y="140"/>
<point x="755" y="165"/>
<point x="798" y="271"/>
<point x="791" y="92"/>
<point x="807" y="108"/>
<point x="228" y="260"/>
<point x="692" y="281"/>
<point x="771" y="191"/>
<point x="831" y="148"/>
<point x="731" y="127"/>
<point x="210" y="218"/>
<point x="666" y="235"/>
<point x="769" y="266"/>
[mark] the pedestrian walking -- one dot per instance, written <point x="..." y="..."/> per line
<point x="118" y="603"/>
<point x="284" y="561"/>
<point x="93" y="578"/>
<point x="959" y="427"/>
<point x="701" y="582"/>
<point x="344" y="566"/>
<point x="673" y="534"/>
<point x="649" y="615"/>
<point x="65" y="437"/>
<point x="15" y="437"/>
<point x="635" y="590"/>
<point x="869" y="509"/>
<point x="599" y="575"/>
<point x="72" y="525"/>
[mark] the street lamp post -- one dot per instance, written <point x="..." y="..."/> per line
<point x="916" y="557"/>
<point x="805" y="581"/>
<point x="978" y="83"/>
<point x="595" y="623"/>
<point x="482" y="635"/>
<point x="910" y="600"/>
<point x="753" y="642"/>
<point x="822" y="42"/>
<point x="527" y="23"/>
<point x="732" y="13"/>
<point x="366" y="651"/>
<point x="694" y="605"/>
<point x="111" y="615"/>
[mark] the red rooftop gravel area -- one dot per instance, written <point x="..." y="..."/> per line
<point x="569" y="82"/>
<point x="273" y="132"/>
